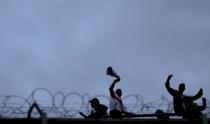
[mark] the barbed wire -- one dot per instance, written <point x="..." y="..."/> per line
<point x="68" y="105"/>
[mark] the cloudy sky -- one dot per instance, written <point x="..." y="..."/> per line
<point x="66" y="45"/>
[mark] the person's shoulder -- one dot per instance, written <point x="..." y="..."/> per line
<point x="104" y="107"/>
<point x="176" y="92"/>
<point x="187" y="97"/>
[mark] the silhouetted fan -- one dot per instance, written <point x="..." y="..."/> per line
<point x="111" y="72"/>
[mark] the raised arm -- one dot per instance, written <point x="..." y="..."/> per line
<point x="198" y="95"/>
<point x="203" y="107"/>
<point x="168" y="87"/>
<point x="111" y="88"/>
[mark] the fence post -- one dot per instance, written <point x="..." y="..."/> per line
<point x="44" y="118"/>
<point x="204" y="119"/>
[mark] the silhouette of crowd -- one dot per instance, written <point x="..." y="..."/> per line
<point x="183" y="105"/>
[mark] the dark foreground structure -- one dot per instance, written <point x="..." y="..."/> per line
<point x="100" y="121"/>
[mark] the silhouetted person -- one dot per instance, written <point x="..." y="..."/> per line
<point x="117" y="108"/>
<point x="99" y="110"/>
<point x="194" y="111"/>
<point x="178" y="97"/>
<point x="161" y="115"/>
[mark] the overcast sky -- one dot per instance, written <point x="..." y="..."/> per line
<point x="66" y="45"/>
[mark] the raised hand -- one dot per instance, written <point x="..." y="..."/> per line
<point x="169" y="77"/>
<point x="117" y="80"/>
<point x="201" y="91"/>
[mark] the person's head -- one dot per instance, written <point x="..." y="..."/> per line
<point x="181" y="87"/>
<point x="119" y="92"/>
<point x="158" y="112"/>
<point x="94" y="102"/>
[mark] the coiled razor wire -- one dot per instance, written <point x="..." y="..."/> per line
<point x="61" y="105"/>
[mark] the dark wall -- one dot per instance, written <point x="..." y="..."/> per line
<point x="103" y="121"/>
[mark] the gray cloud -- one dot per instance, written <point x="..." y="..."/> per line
<point x="67" y="45"/>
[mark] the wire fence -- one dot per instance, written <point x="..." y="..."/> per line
<point x="60" y="105"/>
